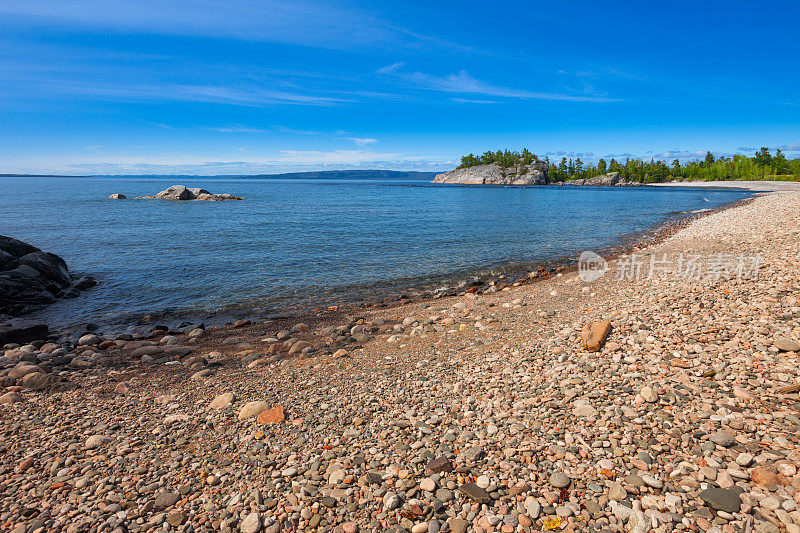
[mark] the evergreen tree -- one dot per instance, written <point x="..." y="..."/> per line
<point x="762" y="157"/>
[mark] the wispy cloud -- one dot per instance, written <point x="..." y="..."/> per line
<point x="391" y="68"/>
<point x="362" y="142"/>
<point x="466" y="84"/>
<point x="241" y="96"/>
<point x="314" y="23"/>
<point x="235" y="129"/>
<point x="474" y="101"/>
<point x="788" y="147"/>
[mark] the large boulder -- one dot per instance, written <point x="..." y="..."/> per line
<point x="181" y="192"/>
<point x="611" y="179"/>
<point x="494" y="174"/>
<point x="31" y="278"/>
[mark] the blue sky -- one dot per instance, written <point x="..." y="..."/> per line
<point x="210" y="87"/>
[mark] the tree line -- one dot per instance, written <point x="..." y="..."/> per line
<point x="762" y="166"/>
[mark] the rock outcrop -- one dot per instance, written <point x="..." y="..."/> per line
<point x="494" y="174"/>
<point x="612" y="179"/>
<point x="117" y="196"/>
<point x="180" y="192"/>
<point x="31" y="278"/>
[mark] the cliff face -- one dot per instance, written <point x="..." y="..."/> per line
<point x="611" y="179"/>
<point x="534" y="174"/>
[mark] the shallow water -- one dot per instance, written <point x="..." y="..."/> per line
<point x="297" y="244"/>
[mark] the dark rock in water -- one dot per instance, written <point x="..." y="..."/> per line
<point x="31" y="278"/>
<point x="722" y="499"/>
<point x="181" y="192"/>
<point x="22" y="331"/>
<point x="117" y="196"/>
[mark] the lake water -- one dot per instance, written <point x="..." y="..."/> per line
<point x="293" y="245"/>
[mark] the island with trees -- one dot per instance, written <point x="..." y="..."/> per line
<point x="506" y="167"/>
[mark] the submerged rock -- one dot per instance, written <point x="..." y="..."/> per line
<point x="181" y="192"/>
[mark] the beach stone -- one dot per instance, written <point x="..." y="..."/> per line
<point x="272" y="416"/>
<point x="723" y="438"/>
<point x="427" y="484"/>
<point x="648" y="394"/>
<point x="474" y="453"/>
<point x="23" y="369"/>
<point x="439" y="465"/>
<point x="617" y="492"/>
<point x="391" y="501"/>
<point x="222" y="401"/>
<point x="299" y="346"/>
<point x="594" y="335"/>
<point x="764" y="476"/>
<point x="584" y="409"/>
<point x="475" y="493"/>
<point x="176" y="518"/>
<point x="38" y="380"/>
<point x="785" y="344"/>
<point x="89" y="340"/>
<point x="722" y="499"/>
<point x="251" y="524"/>
<point x="458" y="525"/>
<point x="252" y="409"/>
<point x="559" y="480"/>
<point x="149" y="351"/>
<point x="166" y="499"/>
<point x="10" y="397"/>
<point x="95" y="441"/>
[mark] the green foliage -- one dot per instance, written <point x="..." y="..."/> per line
<point x="504" y="158"/>
<point x="762" y="166"/>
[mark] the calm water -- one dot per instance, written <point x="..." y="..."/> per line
<point x="296" y="244"/>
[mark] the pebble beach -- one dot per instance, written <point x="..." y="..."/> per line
<point x="476" y="412"/>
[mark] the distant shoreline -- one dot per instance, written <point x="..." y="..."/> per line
<point x="322" y="174"/>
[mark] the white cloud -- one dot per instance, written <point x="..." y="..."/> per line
<point x="362" y="142"/>
<point x="235" y="129"/>
<point x="239" y="95"/>
<point x="464" y="83"/>
<point x="391" y="68"/>
<point x="474" y="101"/>
<point x="315" y="23"/>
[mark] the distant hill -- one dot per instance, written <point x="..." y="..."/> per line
<point x="349" y="175"/>
<point x="321" y="174"/>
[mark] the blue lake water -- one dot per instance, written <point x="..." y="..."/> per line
<point x="297" y="244"/>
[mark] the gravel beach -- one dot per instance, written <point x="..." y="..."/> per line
<point x="479" y="412"/>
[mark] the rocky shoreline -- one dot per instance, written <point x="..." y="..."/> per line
<point x="532" y="174"/>
<point x="31" y="279"/>
<point x="482" y="412"/>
